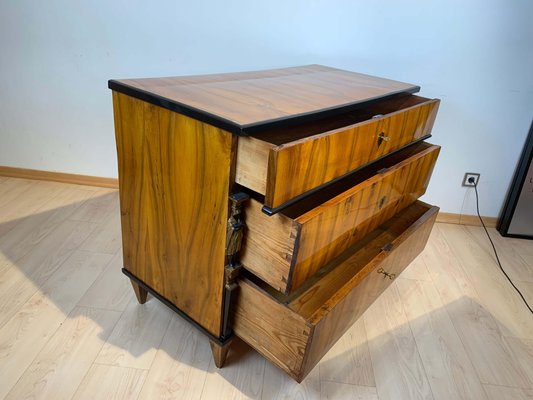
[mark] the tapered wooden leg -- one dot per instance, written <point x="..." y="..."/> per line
<point x="139" y="292"/>
<point x="219" y="352"/>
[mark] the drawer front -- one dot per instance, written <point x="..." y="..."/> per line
<point x="286" y="171"/>
<point x="285" y="251"/>
<point x="296" y="334"/>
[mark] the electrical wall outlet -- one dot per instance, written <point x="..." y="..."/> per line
<point x="468" y="177"/>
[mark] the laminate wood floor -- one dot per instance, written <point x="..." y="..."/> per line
<point x="450" y="327"/>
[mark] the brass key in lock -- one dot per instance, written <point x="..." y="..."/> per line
<point x="382" y="138"/>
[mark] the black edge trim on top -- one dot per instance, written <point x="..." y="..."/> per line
<point x="515" y="190"/>
<point x="221" y="339"/>
<point x="257" y="128"/>
<point x="175" y="106"/>
<point x="245" y="130"/>
<point x="271" y="211"/>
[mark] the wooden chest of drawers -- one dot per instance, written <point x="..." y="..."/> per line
<point x="274" y="205"/>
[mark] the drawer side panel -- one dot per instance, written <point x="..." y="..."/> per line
<point x="268" y="245"/>
<point x="271" y="328"/>
<point x="252" y="163"/>
<point x="174" y="175"/>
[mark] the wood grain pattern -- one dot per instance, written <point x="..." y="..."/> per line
<point x="516" y="266"/>
<point x="522" y="351"/>
<point x="63" y="362"/>
<point x="475" y="325"/>
<point x="174" y="182"/>
<point x="508" y="393"/>
<point x="252" y="163"/>
<point x="333" y="391"/>
<point x="101" y="206"/>
<point x="449" y="370"/>
<point x="106" y="237"/>
<point x="136" y="336"/>
<point x="183" y="358"/>
<point x="180" y="366"/>
<point x="28" y="233"/>
<point x="360" y="259"/>
<point x="270" y="328"/>
<point x="279" y="386"/>
<point x="247" y="98"/>
<point x="26" y="333"/>
<point x="333" y="154"/>
<point x="12" y="189"/>
<point x="269" y="245"/>
<point x="392" y="348"/>
<point x="329" y="230"/>
<point x="110" y="291"/>
<point x="233" y="381"/>
<point x="418" y="270"/>
<point x="497" y="292"/>
<point x="295" y="336"/>
<point x="35" y="269"/>
<point x="277" y="164"/>
<point x="23" y="337"/>
<point x="104" y="382"/>
<point x="27" y="203"/>
<point x="348" y="361"/>
<point x="286" y="249"/>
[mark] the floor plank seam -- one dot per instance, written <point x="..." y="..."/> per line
<point x="482" y="304"/>
<point x="446" y="308"/>
<point x="348" y="383"/>
<point x="36" y="355"/>
<point x="416" y="343"/>
<point x="95" y="353"/>
<point x="205" y="380"/>
<point x="368" y="349"/>
<point x="99" y="308"/>
<point x="117" y="365"/>
<point x="455" y="280"/>
<point x="508" y="387"/>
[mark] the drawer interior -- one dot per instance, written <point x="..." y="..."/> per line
<point x="295" y="331"/>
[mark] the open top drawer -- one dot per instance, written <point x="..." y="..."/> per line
<point x="283" y="164"/>
<point x="288" y="248"/>
<point x="295" y="332"/>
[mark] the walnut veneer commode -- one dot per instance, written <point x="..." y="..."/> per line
<point x="274" y="205"/>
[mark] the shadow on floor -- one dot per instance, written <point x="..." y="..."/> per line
<point x="53" y="259"/>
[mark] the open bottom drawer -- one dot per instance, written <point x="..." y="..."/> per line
<point x="294" y="332"/>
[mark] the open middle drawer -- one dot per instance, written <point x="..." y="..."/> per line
<point x="288" y="248"/>
<point x="283" y="164"/>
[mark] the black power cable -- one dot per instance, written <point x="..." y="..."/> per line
<point x="471" y="180"/>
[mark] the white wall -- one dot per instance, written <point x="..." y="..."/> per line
<point x="477" y="56"/>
